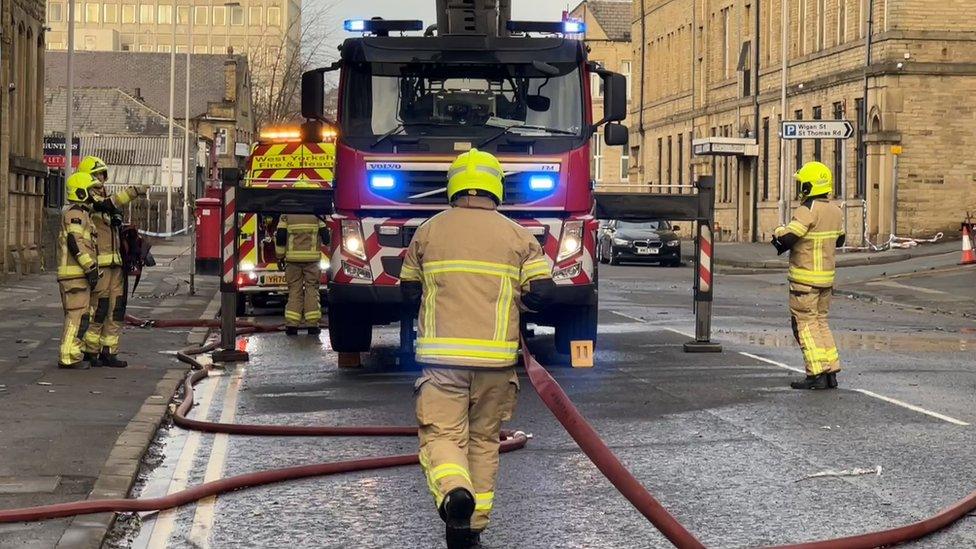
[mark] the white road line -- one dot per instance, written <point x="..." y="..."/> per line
<point x="203" y="518"/>
<point x="900" y="286"/>
<point x="871" y="394"/>
<point x="625" y="315"/>
<point x="679" y="332"/>
<point x="163" y="526"/>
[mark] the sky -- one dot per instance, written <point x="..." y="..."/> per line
<point x="340" y="10"/>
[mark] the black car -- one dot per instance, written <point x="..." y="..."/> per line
<point x="645" y="241"/>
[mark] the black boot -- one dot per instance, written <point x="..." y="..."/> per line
<point x="456" y="510"/>
<point x="93" y="359"/>
<point x="811" y="382"/>
<point x="291" y="331"/>
<point x="832" y="380"/>
<point x="314" y="331"/>
<point x="80" y="365"/>
<point x="110" y="360"/>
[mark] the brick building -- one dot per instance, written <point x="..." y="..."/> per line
<point x="22" y="171"/>
<point x="608" y="27"/>
<point x="697" y="82"/>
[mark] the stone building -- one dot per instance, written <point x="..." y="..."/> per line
<point x="608" y="28"/>
<point x="22" y="171"/>
<point x="697" y="82"/>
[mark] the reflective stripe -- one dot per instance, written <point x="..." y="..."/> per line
<point x="77" y="229"/>
<point x="431" y="485"/>
<point x="109" y="259"/>
<point x="86" y="260"/>
<point x="445" y="470"/>
<point x="535" y="269"/>
<point x="797" y="228"/>
<point x="483" y="501"/>
<point x="502" y="308"/>
<point x="293" y="315"/>
<point x="430" y="292"/>
<point x="486" y="169"/>
<point x="70" y="271"/>
<point x="311" y="227"/>
<point x="313" y="315"/>
<point x="811" y="277"/>
<point x="473" y="267"/>
<point x="409" y="274"/>
<point x="482" y="349"/>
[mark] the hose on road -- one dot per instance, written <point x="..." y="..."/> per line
<point x="551" y="394"/>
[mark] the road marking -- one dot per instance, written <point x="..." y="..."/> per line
<point x="900" y="286"/>
<point x="679" y="332"/>
<point x="166" y="520"/>
<point x="871" y="394"/>
<point x="625" y="315"/>
<point x="203" y="518"/>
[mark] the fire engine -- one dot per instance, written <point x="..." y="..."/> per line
<point x="281" y="160"/>
<point x="409" y="104"/>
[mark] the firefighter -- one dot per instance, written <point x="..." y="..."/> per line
<point x="78" y="272"/>
<point x="298" y="246"/>
<point x="108" y="299"/>
<point x="812" y="237"/>
<point x="469" y="270"/>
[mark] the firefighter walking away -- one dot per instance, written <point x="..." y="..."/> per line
<point x="298" y="246"/>
<point x="78" y="273"/>
<point x="109" y="297"/>
<point x="812" y="237"/>
<point x="469" y="270"/>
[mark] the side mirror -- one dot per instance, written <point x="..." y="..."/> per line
<point x="614" y="96"/>
<point x="538" y="103"/>
<point x="615" y="134"/>
<point x="313" y="92"/>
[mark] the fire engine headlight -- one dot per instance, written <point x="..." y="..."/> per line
<point x="352" y="239"/>
<point x="323" y="264"/>
<point x="247" y="266"/>
<point x="382" y="181"/>
<point x="542" y="182"/>
<point x="571" y="241"/>
<point x="353" y="271"/>
<point x="569" y="272"/>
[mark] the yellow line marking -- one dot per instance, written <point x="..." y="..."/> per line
<point x="203" y="518"/>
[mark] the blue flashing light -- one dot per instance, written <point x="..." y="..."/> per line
<point x="382" y="181"/>
<point x="542" y="182"/>
<point x="355" y="25"/>
<point x="571" y="26"/>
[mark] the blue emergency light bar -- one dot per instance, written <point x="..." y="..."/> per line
<point x="382" y="26"/>
<point x="570" y="26"/>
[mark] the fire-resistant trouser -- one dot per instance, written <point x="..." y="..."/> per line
<point x="809" y="306"/>
<point x="76" y="301"/>
<point x="108" y="312"/>
<point x="459" y="413"/>
<point x="303" y="293"/>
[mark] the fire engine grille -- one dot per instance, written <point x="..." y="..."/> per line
<point x="403" y="237"/>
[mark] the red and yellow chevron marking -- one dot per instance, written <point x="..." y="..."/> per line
<point x="247" y="250"/>
<point x="285" y="165"/>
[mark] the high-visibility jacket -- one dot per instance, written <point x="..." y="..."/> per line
<point x="817" y="226"/>
<point x="77" y="246"/>
<point x="299" y="238"/>
<point x="474" y="264"/>
<point x="109" y="243"/>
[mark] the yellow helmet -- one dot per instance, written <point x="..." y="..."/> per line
<point x="92" y="165"/>
<point x="474" y="171"/>
<point x="815" y="179"/>
<point x="79" y="187"/>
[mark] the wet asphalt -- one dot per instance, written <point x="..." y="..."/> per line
<point x="719" y="439"/>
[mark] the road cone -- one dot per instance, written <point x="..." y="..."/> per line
<point x="968" y="256"/>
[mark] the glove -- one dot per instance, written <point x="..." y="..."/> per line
<point x="92" y="277"/>
<point x="281" y="264"/>
<point x="780" y="247"/>
<point x="116" y="220"/>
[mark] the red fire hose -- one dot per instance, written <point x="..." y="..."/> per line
<point x="552" y="395"/>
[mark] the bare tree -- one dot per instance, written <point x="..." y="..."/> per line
<point x="277" y="66"/>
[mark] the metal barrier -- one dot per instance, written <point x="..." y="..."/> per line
<point x="698" y="207"/>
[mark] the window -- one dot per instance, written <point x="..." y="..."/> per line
<point x="821" y="24"/>
<point x="798" y="145"/>
<point x="726" y="195"/>
<point x="858" y="125"/>
<point x="681" y="161"/>
<point x="128" y="13"/>
<point x="624" y="165"/>
<point x="726" y="64"/>
<point x="597" y="156"/>
<point x="219" y="16"/>
<point x="145" y="47"/>
<point x="55" y="12"/>
<point x="145" y="14"/>
<point x="111" y="13"/>
<point x="201" y="49"/>
<point x="838" y="144"/>
<point x="801" y="29"/>
<point x="237" y="16"/>
<point x="841" y="21"/>
<point x="255" y="16"/>
<point x="668" y="181"/>
<point x="660" y="160"/>
<point x="765" y="158"/>
<point x="200" y="14"/>
<point x="181" y="49"/>
<point x="89" y="43"/>
<point x="165" y="14"/>
<point x="596" y="85"/>
<point x="274" y="16"/>
<point x="91" y="12"/>
<point x="817" y="143"/>
<point x="164" y="48"/>
<point x="862" y="23"/>
<point x="625" y="70"/>
<point x="183" y="15"/>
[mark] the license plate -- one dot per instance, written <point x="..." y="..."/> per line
<point x="646" y="251"/>
<point x="273" y="280"/>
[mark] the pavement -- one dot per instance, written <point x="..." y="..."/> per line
<point x="720" y="439"/>
<point x="70" y="435"/>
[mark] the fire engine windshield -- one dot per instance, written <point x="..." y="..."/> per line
<point x="432" y="99"/>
